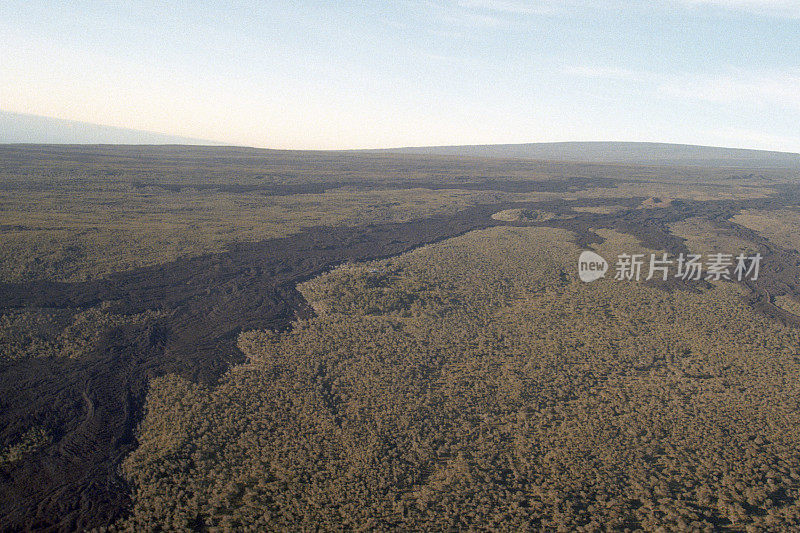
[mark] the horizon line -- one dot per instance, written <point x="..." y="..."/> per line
<point x="198" y="141"/>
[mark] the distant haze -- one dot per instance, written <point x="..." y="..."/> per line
<point x="34" y="129"/>
<point x="24" y="128"/>
<point x="637" y="153"/>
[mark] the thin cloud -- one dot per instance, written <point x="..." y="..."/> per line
<point x="498" y="10"/>
<point x="771" y="8"/>
<point x="755" y="88"/>
<point x="609" y="73"/>
<point x="746" y="88"/>
<point x="506" y="13"/>
<point x="492" y="14"/>
<point x="511" y="7"/>
<point x="453" y="15"/>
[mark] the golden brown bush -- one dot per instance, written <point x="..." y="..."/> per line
<point x="476" y="384"/>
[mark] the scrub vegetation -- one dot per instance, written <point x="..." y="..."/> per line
<point x="780" y="227"/>
<point x="207" y="338"/>
<point x="79" y="213"/>
<point x="477" y="383"/>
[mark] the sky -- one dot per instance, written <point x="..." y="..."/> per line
<point x="370" y="74"/>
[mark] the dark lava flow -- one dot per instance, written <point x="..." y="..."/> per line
<point x="469" y="183"/>
<point x="92" y="405"/>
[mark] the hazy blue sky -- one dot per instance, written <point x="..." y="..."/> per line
<point x="396" y="73"/>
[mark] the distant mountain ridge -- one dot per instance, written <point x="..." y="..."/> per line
<point x="35" y="129"/>
<point x="636" y="153"/>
